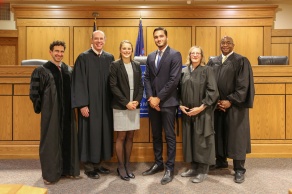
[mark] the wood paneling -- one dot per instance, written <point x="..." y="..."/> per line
<point x="267" y="41"/>
<point x="6" y="118"/>
<point x="280" y="50"/>
<point x="267" y="117"/>
<point x="206" y="38"/>
<point x="8" y="48"/>
<point x="39" y="39"/>
<point x="113" y="12"/>
<point x="82" y="40"/>
<point x="114" y="36"/>
<point x="246" y="37"/>
<point x="289" y="116"/>
<point x="21" y="89"/>
<point x="26" y="124"/>
<point x="6" y="89"/>
<point x="8" y="33"/>
<point x="288" y="88"/>
<point x="270" y="88"/>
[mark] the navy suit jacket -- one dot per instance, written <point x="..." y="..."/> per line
<point x="162" y="82"/>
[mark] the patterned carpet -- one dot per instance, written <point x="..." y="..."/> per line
<point x="263" y="176"/>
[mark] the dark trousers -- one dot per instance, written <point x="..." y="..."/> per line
<point x="238" y="166"/>
<point x="89" y="166"/>
<point x="163" y="119"/>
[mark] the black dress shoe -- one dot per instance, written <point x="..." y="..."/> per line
<point x="102" y="170"/>
<point x="125" y="178"/>
<point x="168" y="176"/>
<point x="239" y="177"/>
<point x="154" y="169"/>
<point x="218" y="166"/>
<point x="92" y="174"/>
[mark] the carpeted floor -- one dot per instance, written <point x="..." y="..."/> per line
<point x="263" y="176"/>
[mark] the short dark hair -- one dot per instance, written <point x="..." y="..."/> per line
<point x="160" y="28"/>
<point x="57" y="43"/>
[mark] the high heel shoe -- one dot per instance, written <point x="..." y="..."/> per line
<point x="125" y="178"/>
<point x="131" y="175"/>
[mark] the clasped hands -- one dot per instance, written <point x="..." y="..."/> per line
<point x="132" y="105"/>
<point x="192" y="111"/>
<point x="223" y="105"/>
<point x="154" y="102"/>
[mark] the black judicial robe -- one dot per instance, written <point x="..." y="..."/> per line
<point x="50" y="92"/>
<point x="198" y="87"/>
<point x="235" y="83"/>
<point x="90" y="87"/>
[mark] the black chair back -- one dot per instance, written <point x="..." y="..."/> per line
<point x="273" y="60"/>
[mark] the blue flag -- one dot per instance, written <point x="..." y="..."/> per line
<point x="139" y="51"/>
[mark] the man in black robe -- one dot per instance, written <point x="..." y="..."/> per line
<point x="234" y="77"/>
<point x="91" y="94"/>
<point x="50" y="92"/>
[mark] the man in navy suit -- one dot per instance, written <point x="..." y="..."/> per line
<point x="163" y="71"/>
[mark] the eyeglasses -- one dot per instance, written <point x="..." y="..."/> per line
<point x="227" y="43"/>
<point x="194" y="53"/>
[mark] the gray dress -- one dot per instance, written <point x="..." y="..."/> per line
<point x="127" y="120"/>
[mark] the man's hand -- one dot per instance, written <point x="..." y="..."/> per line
<point x="154" y="102"/>
<point x="223" y="105"/>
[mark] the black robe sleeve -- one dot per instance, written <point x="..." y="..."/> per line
<point x="80" y="94"/>
<point x="37" y="84"/>
<point x="243" y="94"/>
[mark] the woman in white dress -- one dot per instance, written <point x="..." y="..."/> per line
<point x="127" y="89"/>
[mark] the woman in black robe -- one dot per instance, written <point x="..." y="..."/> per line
<point x="198" y="97"/>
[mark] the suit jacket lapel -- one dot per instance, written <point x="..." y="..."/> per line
<point x="124" y="72"/>
<point x="164" y="56"/>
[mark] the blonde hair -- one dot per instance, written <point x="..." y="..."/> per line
<point x="121" y="45"/>
<point x="189" y="61"/>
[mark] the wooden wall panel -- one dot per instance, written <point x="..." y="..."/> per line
<point x="206" y="38"/>
<point x="270" y="88"/>
<point x="5" y="89"/>
<point x="8" y="54"/>
<point x="6" y="118"/>
<point x="26" y="124"/>
<point x="115" y="35"/>
<point x="290" y="54"/>
<point x="82" y="40"/>
<point x="289" y="117"/>
<point x="21" y="89"/>
<point x="179" y="38"/>
<point x="247" y="40"/>
<point x="280" y="50"/>
<point x="39" y="39"/>
<point x="267" y="118"/>
<point x="8" y="49"/>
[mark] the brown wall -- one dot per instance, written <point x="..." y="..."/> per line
<point x="250" y="26"/>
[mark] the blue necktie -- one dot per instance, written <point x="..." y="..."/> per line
<point x="158" y="59"/>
